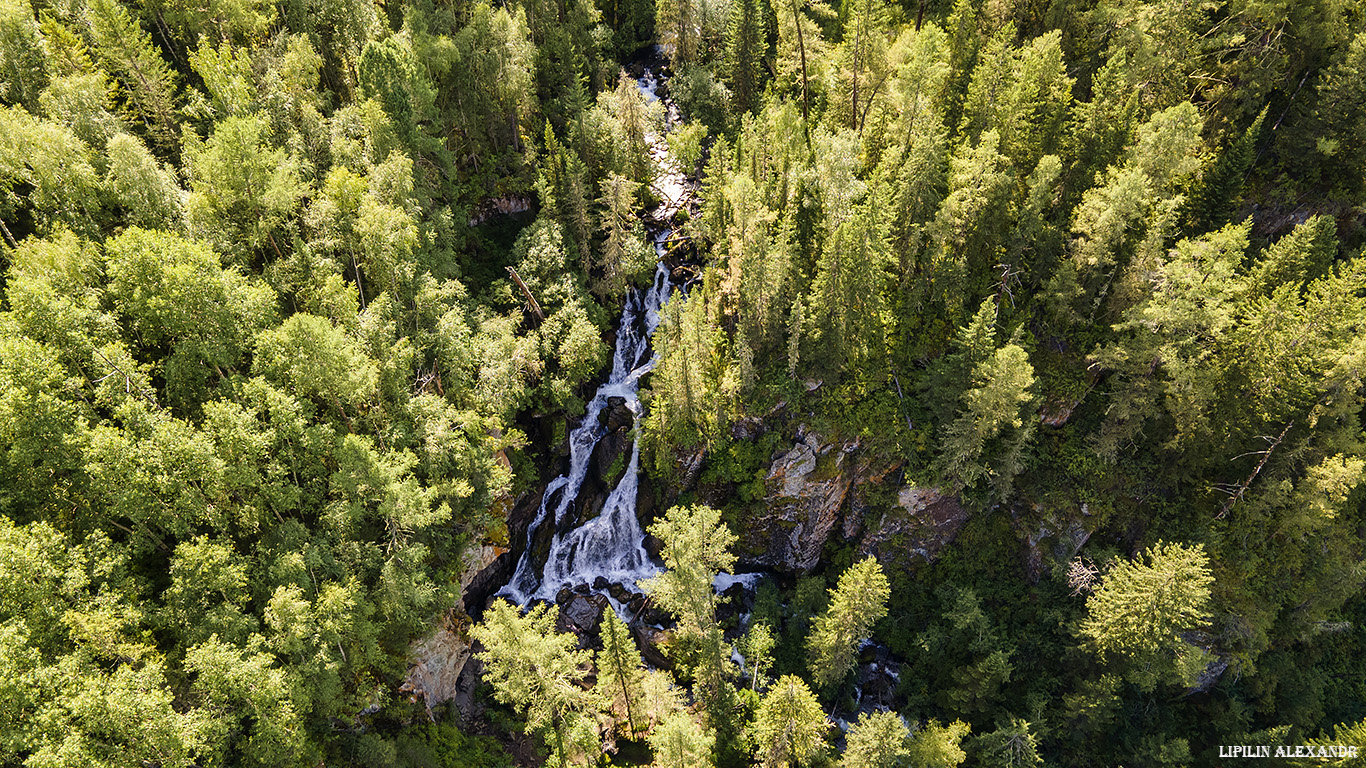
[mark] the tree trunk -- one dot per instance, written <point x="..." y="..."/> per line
<point x="532" y="304"/>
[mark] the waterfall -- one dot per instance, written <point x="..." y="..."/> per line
<point x="610" y="545"/>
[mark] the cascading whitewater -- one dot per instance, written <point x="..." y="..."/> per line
<point x="610" y="545"/>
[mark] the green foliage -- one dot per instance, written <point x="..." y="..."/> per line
<point x="264" y="380"/>
<point x="147" y="82"/>
<point x="536" y="670"/>
<point x="242" y="190"/>
<point x="620" y="671"/>
<point x="857" y="603"/>
<point x="937" y="746"/>
<point x="1142" y="607"/>
<point x="789" y="728"/>
<point x="877" y="740"/>
<point x="679" y="742"/>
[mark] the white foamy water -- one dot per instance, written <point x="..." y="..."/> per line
<point x="611" y="544"/>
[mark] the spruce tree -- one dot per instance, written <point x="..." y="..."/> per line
<point x="857" y="603"/>
<point x="536" y="670"/>
<point x="1142" y="606"/>
<point x="877" y="740"/>
<point x="146" y="80"/>
<point x="745" y="49"/>
<point x="620" y="671"/>
<point x="679" y="742"/>
<point x="789" y="728"/>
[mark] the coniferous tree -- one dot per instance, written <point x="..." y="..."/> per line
<point x="937" y="746"/>
<point x="696" y="548"/>
<point x="146" y="79"/>
<point x="679" y="742"/>
<point x="23" y="64"/>
<point x="536" y="670"/>
<point x="1010" y="746"/>
<point x="745" y="53"/>
<point x="624" y="255"/>
<point x="877" y="740"/>
<point x="620" y="671"/>
<point x="994" y="424"/>
<point x="857" y="603"/>
<point x="1137" y="613"/>
<point x="789" y="727"/>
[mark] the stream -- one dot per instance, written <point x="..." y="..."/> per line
<point x="609" y="546"/>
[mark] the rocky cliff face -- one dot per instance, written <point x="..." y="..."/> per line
<point x="437" y="661"/>
<point x="806" y="490"/>
<point x="822" y="488"/>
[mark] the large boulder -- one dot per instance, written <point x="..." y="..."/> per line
<point x="611" y="458"/>
<point x="617" y="416"/>
<point x="1056" y="539"/>
<point x="923" y="522"/>
<point x="581" y="614"/>
<point x="806" y="491"/>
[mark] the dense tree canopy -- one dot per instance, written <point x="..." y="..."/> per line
<point x="299" y="301"/>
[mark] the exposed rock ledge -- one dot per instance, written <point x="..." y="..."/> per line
<point x="438" y="660"/>
<point x="821" y="488"/>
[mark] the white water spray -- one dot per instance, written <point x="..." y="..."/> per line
<point x="610" y="545"/>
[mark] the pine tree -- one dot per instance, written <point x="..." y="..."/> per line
<point x="1010" y="746"/>
<point x="937" y="746"/>
<point x="535" y="670"/>
<point x="624" y="254"/>
<point x="23" y="63"/>
<point x="877" y="740"/>
<point x="679" y="742"/>
<point x="146" y="80"/>
<point x="1221" y="187"/>
<point x="696" y="548"/>
<point x="856" y="604"/>
<point x="620" y="671"/>
<point x="757" y="648"/>
<point x="993" y="426"/>
<point x="789" y="727"/>
<point x="1142" y="605"/>
<point x="745" y="50"/>
<point x="560" y="183"/>
<point x="846" y="299"/>
<point x="1299" y="257"/>
<point x="969" y="231"/>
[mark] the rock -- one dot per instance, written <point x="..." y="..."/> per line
<point x="1055" y="412"/>
<point x="877" y="678"/>
<point x="619" y="593"/>
<point x="923" y="522"/>
<point x="646" y="509"/>
<point x="616" y="416"/>
<point x="652" y="642"/>
<point x="600" y="583"/>
<point x="870" y="476"/>
<point x="691" y="467"/>
<point x="582" y="614"/>
<point x="564" y="596"/>
<point x="806" y="489"/>
<point x="611" y="458"/>
<point x="437" y="661"/>
<point x="748" y="429"/>
<point x="1053" y="539"/>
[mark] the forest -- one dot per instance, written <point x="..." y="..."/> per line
<point x="682" y="383"/>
